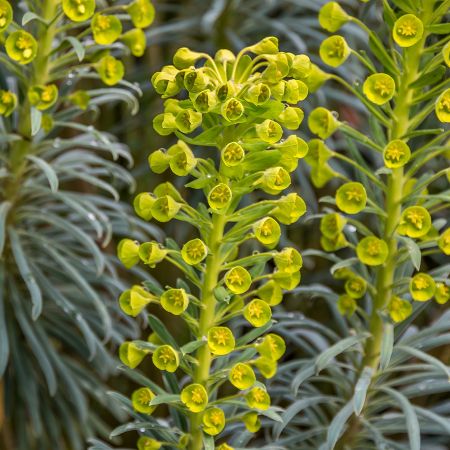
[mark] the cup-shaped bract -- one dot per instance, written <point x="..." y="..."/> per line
<point x="322" y="122"/>
<point x="442" y="107"/>
<point x="396" y="154"/>
<point x="408" y="30"/>
<point x="346" y="305"/>
<point x="444" y="242"/>
<point x="399" y="309"/>
<point x="135" y="40"/>
<point x="372" y="251"/>
<point x="105" y="29"/>
<point x="142" y="13"/>
<point x="242" y="376"/>
<point x="422" y="287"/>
<point x="258" y="398"/>
<point x="194" y="251"/>
<point x="221" y="340"/>
<point x="332" y="17"/>
<point x="213" y="421"/>
<point x="21" y="46"/>
<point x="272" y="346"/>
<point x="379" y="88"/>
<point x="141" y="399"/>
<point x="6" y="15"/>
<point x="174" y="301"/>
<point x="334" y="51"/>
<point x="165" y="357"/>
<point x="257" y="312"/>
<point x="128" y="252"/>
<point x="238" y="280"/>
<point x="8" y="103"/>
<point x="43" y="97"/>
<point x="351" y="197"/>
<point x="415" y="222"/>
<point x="78" y="10"/>
<point x="355" y="286"/>
<point x="110" y="70"/>
<point x="195" y="397"/>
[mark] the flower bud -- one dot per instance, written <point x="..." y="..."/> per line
<point x="252" y="422"/>
<point x="142" y="205"/>
<point x="111" y="70"/>
<point x="8" y="103"/>
<point x="224" y="56"/>
<point x="396" y="154"/>
<point x="444" y="242"/>
<point x="294" y="91"/>
<point x="105" y="29"/>
<point x="355" y="286"/>
<point x="379" y="88"/>
<point x="334" y="51"/>
<point x="351" y="198"/>
<point x="272" y="346"/>
<point x="332" y="224"/>
<point x="442" y="293"/>
<point x="78" y="10"/>
<point x="6" y="15"/>
<point x="164" y="208"/>
<point x="213" y="421"/>
<point x="146" y="443"/>
<point x="220" y="340"/>
<point x="415" y="222"/>
<point x="142" y="13"/>
<point x="372" y="251"/>
<point x="219" y="197"/>
<point x="301" y="67"/>
<point x="166" y="82"/>
<point x="257" y="313"/>
<point x="136" y="41"/>
<point x="80" y="99"/>
<point x="442" y="107"/>
<point x="332" y="17"/>
<point x="291" y="117"/>
<point x="134" y="300"/>
<point x="151" y="253"/>
<point x="238" y="280"/>
<point x="242" y="376"/>
<point x="408" y="30"/>
<point x="288" y="260"/>
<point x="287" y="280"/>
<point x="278" y="67"/>
<point x="21" y="47"/>
<point x="195" y="397"/>
<point x="266" y="366"/>
<point x="322" y="122"/>
<point x="128" y="252"/>
<point x="268" y="45"/>
<point x="188" y="120"/>
<point x="258" y="398"/>
<point x="158" y="161"/>
<point x="131" y="355"/>
<point x="43" y="97"/>
<point x="194" y="252"/>
<point x="141" y="399"/>
<point x="185" y="58"/>
<point x="316" y="78"/>
<point x="166" y="358"/>
<point x="269" y="131"/>
<point x="346" y="305"/>
<point x="289" y="209"/>
<point x="399" y="309"/>
<point x="205" y="100"/>
<point x="267" y="231"/>
<point x="232" y="110"/>
<point x="174" y="301"/>
<point x="271" y="293"/>
<point x="258" y="94"/>
<point x="422" y="287"/>
<point x="182" y="160"/>
<point x="164" y="124"/>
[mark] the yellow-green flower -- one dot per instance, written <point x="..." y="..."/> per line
<point x="141" y="399"/>
<point x="408" y="30"/>
<point x="110" y="70"/>
<point x="346" y="305"/>
<point x="185" y="58"/>
<point x="379" y="88"/>
<point x="232" y="110"/>
<point x="166" y="82"/>
<point x="21" y="47"/>
<point x="322" y="122"/>
<point x="47" y="122"/>
<point x="226" y="91"/>
<point x="166" y="358"/>
<point x="258" y="398"/>
<point x="195" y="80"/>
<point x="205" y="100"/>
<point x="8" y="103"/>
<point x="142" y="13"/>
<point x="267" y="231"/>
<point x="288" y="260"/>
<point x="268" y="45"/>
<point x="165" y="208"/>
<point x="158" y="161"/>
<point x="136" y="41"/>
<point x="258" y="94"/>
<point x="182" y="160"/>
<point x="274" y="180"/>
<point x="332" y="17"/>
<point x="332" y="224"/>
<point x="219" y="197"/>
<point x="213" y="421"/>
<point x="415" y="222"/>
<point x="291" y="117"/>
<point x="195" y="397"/>
<point x="194" y="251"/>
<point x="232" y="154"/>
<point x="343" y="273"/>
<point x="292" y="149"/>
<point x="6" y="15"/>
<point x="238" y="280"/>
<point x="351" y="198"/>
<point x="43" y="96"/>
<point x="287" y="280"/>
<point x="188" y="120"/>
<point x="131" y="355"/>
<point x="300" y="69"/>
<point x="442" y="107"/>
<point x="271" y="293"/>
<point x="446" y="54"/>
<point x="442" y="293"/>
<point x="78" y="10"/>
<point x="174" y="301"/>
<point x="289" y="209"/>
<point x="293" y="91"/>
<point x="128" y="252"/>
<point x="142" y="204"/>
<point x="355" y="286"/>
<point x="331" y="244"/>
<point x="257" y="313"/>
<point x="134" y="300"/>
<point x="422" y="287"/>
<point x="242" y="376"/>
<point x="272" y="346"/>
<point x="334" y="51"/>
<point x="316" y="78"/>
<point x="251" y="421"/>
<point x="105" y="29"/>
<point x="221" y="340"/>
<point x="396" y="154"/>
<point x="224" y="446"/>
<point x="399" y="309"/>
<point x="372" y="251"/>
<point x="269" y="131"/>
<point x="444" y="241"/>
<point x="151" y="253"/>
<point x="80" y="98"/>
<point x="146" y="443"/>
<point x="267" y="367"/>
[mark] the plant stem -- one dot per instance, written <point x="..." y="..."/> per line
<point x="207" y="319"/>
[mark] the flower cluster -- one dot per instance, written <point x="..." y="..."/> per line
<point x="236" y="108"/>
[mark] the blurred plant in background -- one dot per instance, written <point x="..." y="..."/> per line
<point x="59" y="183"/>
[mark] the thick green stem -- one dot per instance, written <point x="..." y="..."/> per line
<point x="207" y="319"/>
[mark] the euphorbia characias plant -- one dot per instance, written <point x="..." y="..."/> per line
<point x="229" y="114"/>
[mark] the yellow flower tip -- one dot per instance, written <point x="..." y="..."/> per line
<point x="142" y="204"/>
<point x="166" y="358"/>
<point x="232" y="154"/>
<point x="213" y="421"/>
<point x="372" y="251"/>
<point x="110" y="70"/>
<point x="165" y="208"/>
<point x="8" y="103"/>
<point x="238" y="280"/>
<point x="78" y="10"/>
<point x="128" y="252"/>
<point x="271" y="346"/>
<point x="269" y="131"/>
<point x="274" y="180"/>
<point x="219" y="197"/>
<point x="288" y="260"/>
<point x="399" y="309"/>
<point x="105" y="29"/>
<point x="21" y="47"/>
<point x="194" y="252"/>
<point x="131" y="355"/>
<point x="258" y="398"/>
<point x="396" y="154"/>
<point x="346" y="305"/>
<point x="221" y="340"/>
<point x="444" y="242"/>
<point x="334" y="51"/>
<point x="232" y="110"/>
<point x="267" y="231"/>
<point x="442" y="293"/>
<point x="422" y="287"/>
<point x="146" y="443"/>
<point x="242" y="376"/>
<point x="322" y="122"/>
<point x="224" y="56"/>
<point x="415" y="222"/>
<point x="151" y="253"/>
<point x="142" y="13"/>
<point x="257" y="313"/>
<point x="136" y="41"/>
<point x="351" y="198"/>
<point x="379" y="88"/>
<point x="195" y="397"/>
<point x="134" y="300"/>
<point x="81" y="99"/>
<point x="188" y="120"/>
<point x="174" y="301"/>
<point x="167" y="82"/>
<point x="141" y="399"/>
<point x="408" y="30"/>
<point x="332" y="17"/>
<point x="332" y="225"/>
<point x="6" y="15"/>
<point x="268" y="45"/>
<point x="442" y="107"/>
<point x="185" y="58"/>
<point x="289" y="209"/>
<point x="271" y="293"/>
<point x="355" y="286"/>
<point x="266" y="366"/>
<point x="43" y="96"/>
<point x="252" y="422"/>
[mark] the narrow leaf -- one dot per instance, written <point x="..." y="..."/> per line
<point x="48" y="171"/>
<point x="4" y="342"/>
<point x="387" y="345"/>
<point x="36" y="119"/>
<point x="337" y="425"/>
<point x="361" y="388"/>
<point x="4" y="209"/>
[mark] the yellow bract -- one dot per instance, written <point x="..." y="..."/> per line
<point x="195" y="397"/>
<point x="442" y="107"/>
<point x="6" y="15"/>
<point x="379" y="88"/>
<point x="422" y="287"/>
<point x="396" y="154"/>
<point x="8" y="103"/>
<point x="78" y="10"/>
<point x="258" y="312"/>
<point x="242" y="376"/>
<point x="408" y="30"/>
<point x="334" y="51"/>
<point x="141" y="399"/>
<point x="332" y="17"/>
<point x="372" y="251"/>
<point x="351" y="198"/>
<point x="220" y="340"/>
<point x="415" y="222"/>
<point x="21" y="46"/>
<point x="399" y="309"/>
<point x="258" y="398"/>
